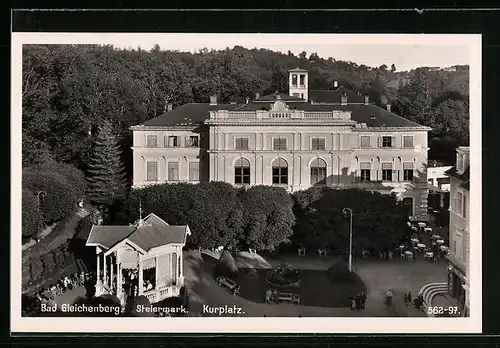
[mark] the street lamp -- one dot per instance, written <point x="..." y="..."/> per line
<point x="346" y="211"/>
<point x="39" y="194"/>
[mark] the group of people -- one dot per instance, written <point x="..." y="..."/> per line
<point x="64" y="284"/>
<point x="357" y="301"/>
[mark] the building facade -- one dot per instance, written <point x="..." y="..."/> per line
<point x="297" y="140"/>
<point x="458" y="256"/>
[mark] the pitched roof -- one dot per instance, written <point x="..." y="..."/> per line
<point x="154" y="232"/>
<point x="298" y="70"/>
<point x="333" y="96"/>
<point x="187" y="115"/>
<point x="372" y="115"/>
<point x="283" y="96"/>
<point x="465" y="176"/>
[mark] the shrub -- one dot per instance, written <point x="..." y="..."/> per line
<point x="226" y="266"/>
<point x="339" y="272"/>
<point x="60" y="200"/>
<point x="30" y="216"/>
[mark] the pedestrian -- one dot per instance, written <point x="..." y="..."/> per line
<point x="389" y="295"/>
<point x="363" y="300"/>
<point x="409" y="296"/>
<point x="358" y="301"/>
<point x="269" y="294"/>
<point x="406" y="299"/>
<point x="353" y="303"/>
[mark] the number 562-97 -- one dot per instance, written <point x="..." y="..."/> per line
<point x="437" y="310"/>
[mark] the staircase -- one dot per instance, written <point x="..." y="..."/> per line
<point x="428" y="292"/>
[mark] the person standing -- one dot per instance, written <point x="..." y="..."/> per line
<point x="363" y="300"/>
<point x="409" y="296"/>
<point x="389" y="295"/>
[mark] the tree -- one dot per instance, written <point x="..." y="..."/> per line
<point x="30" y="215"/>
<point x="106" y="178"/>
<point x="267" y="217"/>
<point x="378" y="221"/>
<point x="212" y="210"/>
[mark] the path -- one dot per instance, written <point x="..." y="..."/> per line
<point x="378" y="275"/>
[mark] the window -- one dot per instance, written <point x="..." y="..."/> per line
<point x="459" y="203"/>
<point x="294" y="80"/>
<point x="280" y="172"/>
<point x="279" y="144"/>
<point x="318" y="143"/>
<point x="460" y="162"/>
<point x="194" y="171"/>
<point x="464" y="206"/>
<point x="172" y="141"/>
<point x="302" y="80"/>
<point x="152" y="171"/>
<point x="173" y="171"/>
<point x="458" y="244"/>
<point x="365" y="171"/>
<point x="301" y="95"/>
<point x="408" y="171"/>
<point x="387" y="142"/>
<point x="407" y="141"/>
<point x="194" y="141"/>
<point x="430" y="181"/>
<point x="151" y="141"/>
<point x="387" y="171"/>
<point x="242" y="171"/>
<point x="241" y="143"/>
<point x="318" y="172"/>
<point x="365" y="141"/>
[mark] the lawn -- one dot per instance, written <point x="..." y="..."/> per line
<point x="316" y="289"/>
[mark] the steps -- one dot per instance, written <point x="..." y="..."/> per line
<point x="430" y="290"/>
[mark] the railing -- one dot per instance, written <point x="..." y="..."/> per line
<point x="291" y="114"/>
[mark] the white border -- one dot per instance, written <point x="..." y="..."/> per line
<point x="473" y="324"/>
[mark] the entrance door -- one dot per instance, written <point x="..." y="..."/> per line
<point x="408" y="205"/>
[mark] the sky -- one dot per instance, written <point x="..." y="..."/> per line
<point x="405" y="51"/>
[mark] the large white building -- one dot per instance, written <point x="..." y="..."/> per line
<point x="458" y="256"/>
<point x="297" y="140"/>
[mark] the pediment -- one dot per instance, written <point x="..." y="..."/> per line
<point x="280" y="106"/>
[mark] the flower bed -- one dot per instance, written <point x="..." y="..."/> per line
<point x="283" y="276"/>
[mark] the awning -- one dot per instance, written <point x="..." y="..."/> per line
<point x="148" y="263"/>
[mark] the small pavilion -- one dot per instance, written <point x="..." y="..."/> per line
<point x="144" y="258"/>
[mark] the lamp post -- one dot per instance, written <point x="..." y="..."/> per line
<point x="39" y="194"/>
<point x="345" y="211"/>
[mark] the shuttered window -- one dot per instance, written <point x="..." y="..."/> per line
<point x="318" y="143"/>
<point x="365" y="141"/>
<point x="194" y="171"/>
<point x="387" y="171"/>
<point x="152" y="171"/>
<point x="365" y="171"/>
<point x="151" y="141"/>
<point x="408" y="171"/>
<point x="408" y="141"/>
<point x="279" y="144"/>
<point x="241" y="144"/>
<point x="173" y="171"/>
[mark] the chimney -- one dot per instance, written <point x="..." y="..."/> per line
<point x="247" y="100"/>
<point x="343" y="99"/>
<point x="388" y="106"/>
<point x="257" y="95"/>
<point x="367" y="100"/>
<point x="335" y="84"/>
<point x="170" y="107"/>
<point x="213" y="100"/>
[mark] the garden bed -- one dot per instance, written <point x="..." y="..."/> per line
<point x="317" y="288"/>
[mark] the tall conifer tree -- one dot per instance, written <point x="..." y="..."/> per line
<point x="105" y="173"/>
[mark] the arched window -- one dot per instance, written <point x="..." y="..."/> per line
<point x="280" y="172"/>
<point x="318" y="172"/>
<point x="242" y="171"/>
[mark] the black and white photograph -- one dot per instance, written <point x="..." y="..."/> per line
<point x="316" y="178"/>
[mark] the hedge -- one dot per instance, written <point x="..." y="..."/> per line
<point x="60" y="200"/>
<point x="30" y="216"/>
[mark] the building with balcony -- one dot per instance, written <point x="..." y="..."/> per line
<point x="140" y="259"/>
<point x="297" y="140"/>
<point x="458" y="256"/>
